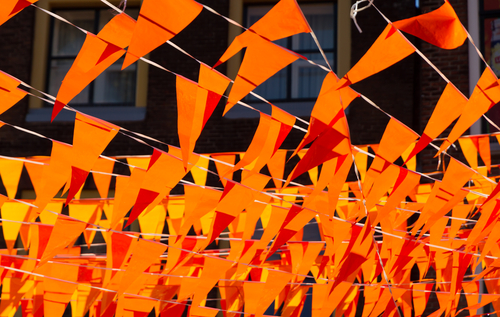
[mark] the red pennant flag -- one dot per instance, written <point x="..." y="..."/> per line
<point x="158" y="22"/>
<point x="327" y="108"/>
<point x="440" y="27"/>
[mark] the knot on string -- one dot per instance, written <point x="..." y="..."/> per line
<point x="355" y="9"/>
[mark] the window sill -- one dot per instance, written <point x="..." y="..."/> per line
<point x="111" y="113"/>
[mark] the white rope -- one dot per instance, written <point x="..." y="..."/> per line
<point x="355" y="9"/>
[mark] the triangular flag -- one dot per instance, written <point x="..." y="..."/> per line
<point x="86" y="212"/>
<point x="101" y="170"/>
<point x="9" y="93"/>
<point x="16" y="213"/>
<point x="262" y="60"/>
<point x="65" y="231"/>
<point x="449" y="107"/>
<point x="10" y="171"/>
<point x="486" y="94"/>
<point x="389" y="48"/>
<point x="94" y="58"/>
<point x="195" y="104"/>
<point x="12" y="7"/>
<point x="440" y="27"/>
<point x="283" y="20"/>
<point x="158" y="22"/>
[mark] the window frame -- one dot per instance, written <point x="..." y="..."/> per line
<point x="40" y="70"/>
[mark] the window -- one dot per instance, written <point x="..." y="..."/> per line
<point x="301" y="80"/>
<point x="113" y="86"/>
<point x="295" y="88"/>
<point x="489" y="13"/>
<point x="115" y="95"/>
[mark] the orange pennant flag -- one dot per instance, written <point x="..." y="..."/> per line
<point x="234" y="199"/>
<point x="486" y="94"/>
<point x="10" y="171"/>
<point x="213" y="270"/>
<point x="59" y="286"/>
<point x="389" y="48"/>
<point x="444" y="194"/>
<point x="262" y="60"/>
<point x="283" y="20"/>
<point x="440" y="27"/>
<point x="90" y="138"/>
<point x="267" y="139"/>
<point x="134" y="306"/>
<point x="144" y="254"/>
<point x="158" y="22"/>
<point x="126" y="191"/>
<point x="199" y="202"/>
<point x="15" y="212"/>
<point x="469" y="147"/>
<point x="54" y="176"/>
<point x="224" y="165"/>
<point x="258" y="296"/>
<point x="164" y="172"/>
<point x="484" y="150"/>
<point x="96" y="55"/>
<point x="449" y="107"/>
<point x="276" y="166"/>
<point x="195" y="104"/>
<point x="327" y="109"/>
<point x="12" y="7"/>
<point x="9" y="93"/>
<point x="153" y="222"/>
<point x="86" y="212"/>
<point x="13" y="290"/>
<point x="102" y="168"/>
<point x="65" y="231"/>
<point x="396" y="139"/>
<point x="35" y="171"/>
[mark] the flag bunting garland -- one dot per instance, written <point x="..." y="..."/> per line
<point x="161" y="237"/>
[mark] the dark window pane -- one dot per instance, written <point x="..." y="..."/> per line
<point x="491" y="5"/>
<point x="115" y="85"/>
<point x="66" y="39"/>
